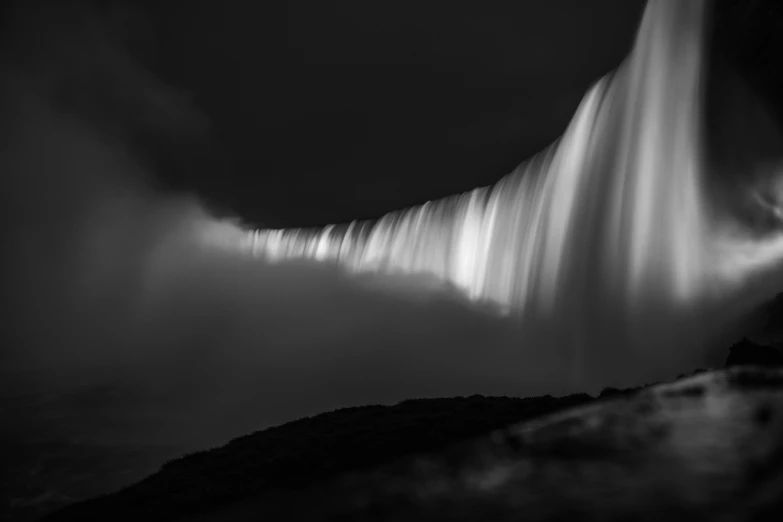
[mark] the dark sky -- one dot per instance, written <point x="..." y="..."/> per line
<point x="331" y="111"/>
<point x="324" y="112"/>
<point x="304" y="113"/>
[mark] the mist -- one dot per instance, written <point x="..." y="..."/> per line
<point x="113" y="284"/>
<point x="109" y="283"/>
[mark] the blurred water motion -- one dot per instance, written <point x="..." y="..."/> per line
<point x="603" y="230"/>
<point x="617" y="201"/>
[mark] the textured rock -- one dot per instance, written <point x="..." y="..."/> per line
<point x="708" y="446"/>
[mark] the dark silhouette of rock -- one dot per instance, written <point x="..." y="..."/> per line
<point x="612" y="392"/>
<point x="300" y="453"/>
<point x="746" y="352"/>
<point x="773" y="319"/>
<point x="700" y="448"/>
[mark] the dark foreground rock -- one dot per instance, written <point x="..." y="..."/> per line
<point x="708" y="446"/>
<point x="746" y="352"/>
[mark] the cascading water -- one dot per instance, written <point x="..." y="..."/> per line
<point x="603" y="230"/>
<point x="619" y="192"/>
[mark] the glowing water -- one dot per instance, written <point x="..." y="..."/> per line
<point x="614" y="209"/>
<point x="619" y="192"/>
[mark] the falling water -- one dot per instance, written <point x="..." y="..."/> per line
<point x="608" y="222"/>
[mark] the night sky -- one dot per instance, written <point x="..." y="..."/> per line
<point x="326" y="112"/>
<point x="122" y="127"/>
<point x="301" y="113"/>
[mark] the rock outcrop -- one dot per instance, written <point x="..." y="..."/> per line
<point x="706" y="447"/>
<point x="748" y="353"/>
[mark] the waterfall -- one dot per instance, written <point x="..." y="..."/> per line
<point x="608" y="225"/>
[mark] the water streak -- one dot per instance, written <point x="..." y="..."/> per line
<point x="611" y="216"/>
<point x="619" y="192"/>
